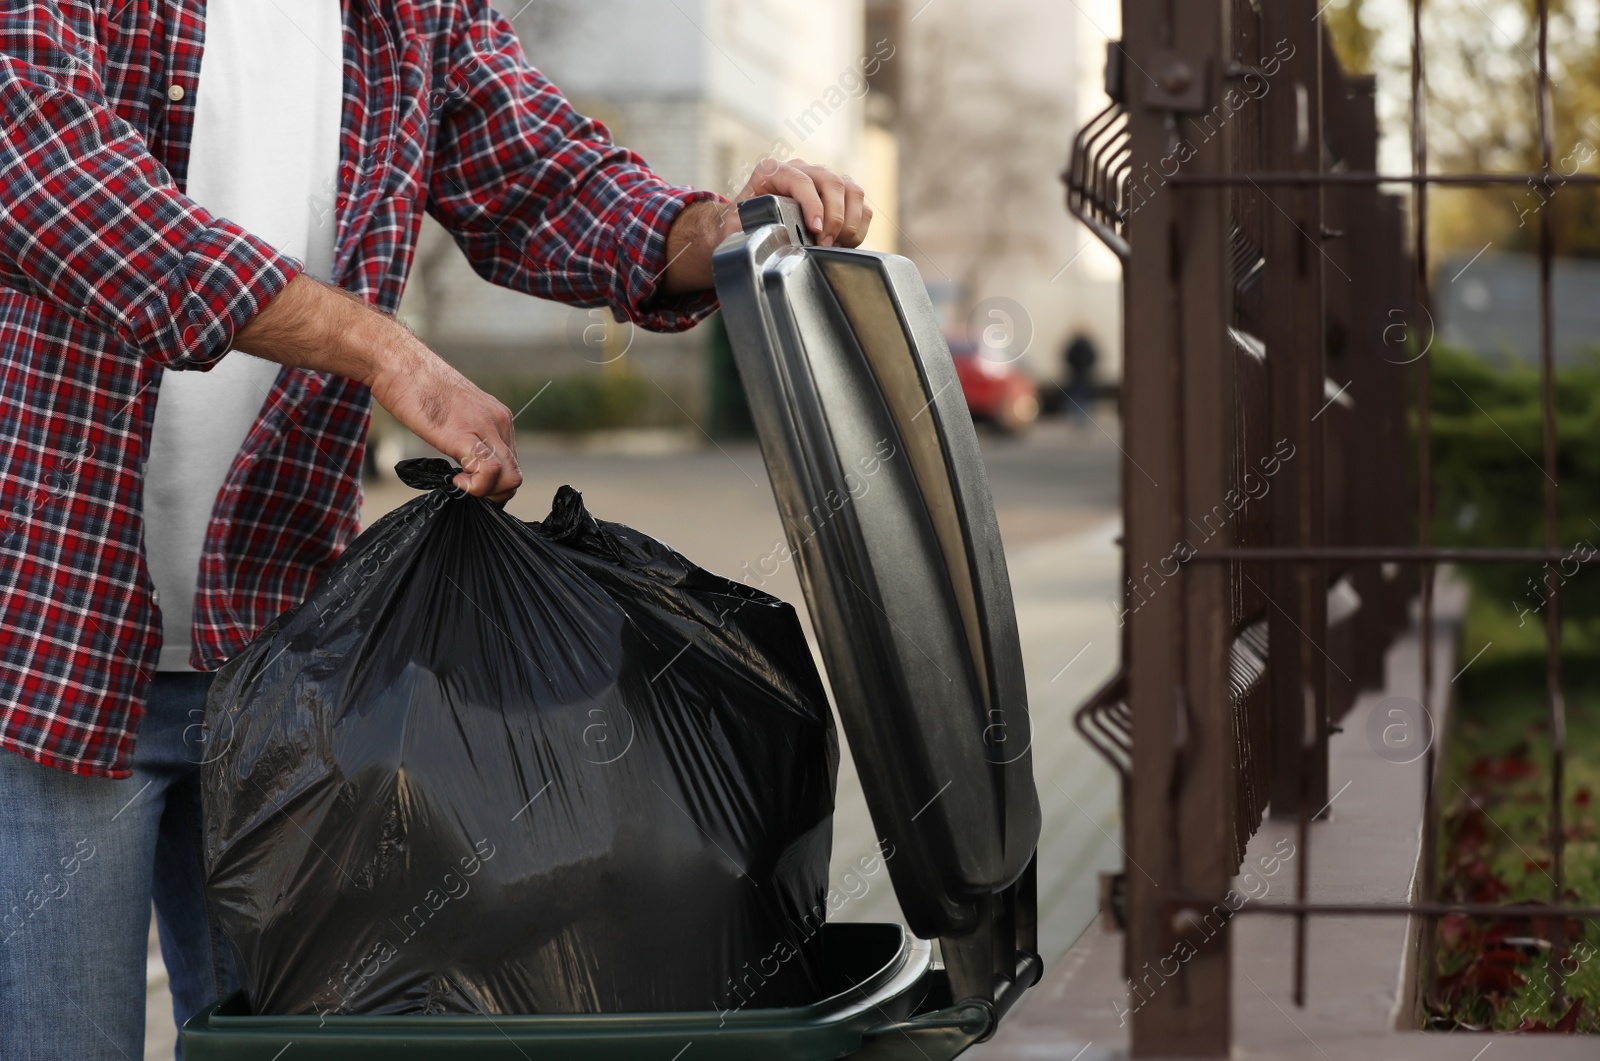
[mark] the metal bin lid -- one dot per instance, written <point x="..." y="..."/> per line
<point x="886" y="506"/>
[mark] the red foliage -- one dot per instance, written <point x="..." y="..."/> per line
<point x="1454" y="929"/>
<point x="1479" y="882"/>
<point x="1512" y="766"/>
<point x="1493" y="973"/>
<point x="1493" y="959"/>
<point x="1472" y="830"/>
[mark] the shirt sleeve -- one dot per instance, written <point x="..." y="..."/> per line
<point x="539" y="198"/>
<point x="91" y="223"/>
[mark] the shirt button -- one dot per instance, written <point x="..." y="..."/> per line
<point x="175" y="93"/>
<point x="155" y="598"/>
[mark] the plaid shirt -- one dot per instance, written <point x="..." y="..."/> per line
<point x="109" y="275"/>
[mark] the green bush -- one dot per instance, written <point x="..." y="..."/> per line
<point x="1488" y="454"/>
<point x="588" y="402"/>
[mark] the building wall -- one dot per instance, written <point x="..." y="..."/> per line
<point x="1490" y="305"/>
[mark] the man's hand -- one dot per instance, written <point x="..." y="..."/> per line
<point x="835" y="209"/>
<point x="316" y="326"/>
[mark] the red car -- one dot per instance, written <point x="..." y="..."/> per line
<point x="997" y="392"/>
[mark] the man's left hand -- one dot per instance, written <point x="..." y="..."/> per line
<point x="834" y="207"/>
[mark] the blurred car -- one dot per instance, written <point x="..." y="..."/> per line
<point x="997" y="392"/>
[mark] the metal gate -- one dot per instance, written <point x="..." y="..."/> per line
<point x="1277" y="510"/>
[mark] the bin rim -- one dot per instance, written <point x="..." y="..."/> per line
<point x="910" y="962"/>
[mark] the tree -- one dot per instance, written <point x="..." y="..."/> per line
<point x="1482" y="110"/>
<point x="973" y="157"/>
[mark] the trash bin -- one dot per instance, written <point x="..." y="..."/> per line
<point x="877" y="474"/>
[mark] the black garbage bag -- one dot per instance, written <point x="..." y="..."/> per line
<point x="498" y="767"/>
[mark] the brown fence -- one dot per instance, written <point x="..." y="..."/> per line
<point x="1276" y="505"/>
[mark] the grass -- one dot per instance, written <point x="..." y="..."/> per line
<point x="1494" y="832"/>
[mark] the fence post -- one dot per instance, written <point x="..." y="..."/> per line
<point x="1294" y="335"/>
<point x="1178" y="391"/>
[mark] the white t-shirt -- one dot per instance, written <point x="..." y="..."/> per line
<point x="265" y="155"/>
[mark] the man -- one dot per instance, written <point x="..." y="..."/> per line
<point x="1080" y="358"/>
<point x="177" y="183"/>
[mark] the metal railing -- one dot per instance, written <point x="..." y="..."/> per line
<point x="1272" y="280"/>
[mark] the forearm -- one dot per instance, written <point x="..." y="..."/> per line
<point x="317" y="326"/>
<point x="314" y="326"/>
<point x="693" y="237"/>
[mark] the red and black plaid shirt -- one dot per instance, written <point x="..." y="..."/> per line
<point x="109" y="275"/>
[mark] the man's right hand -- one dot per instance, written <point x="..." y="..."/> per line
<point x="314" y="325"/>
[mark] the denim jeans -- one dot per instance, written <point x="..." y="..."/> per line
<point x="81" y="861"/>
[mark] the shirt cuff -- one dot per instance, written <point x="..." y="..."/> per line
<point x="641" y="263"/>
<point x="223" y="279"/>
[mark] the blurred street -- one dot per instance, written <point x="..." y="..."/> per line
<point x="1056" y="494"/>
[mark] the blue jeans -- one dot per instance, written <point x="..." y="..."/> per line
<point x="81" y="861"/>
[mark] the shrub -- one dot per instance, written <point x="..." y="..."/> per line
<point x="1488" y="470"/>
<point x="589" y="402"/>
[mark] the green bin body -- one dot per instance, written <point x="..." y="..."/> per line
<point x="892" y="1001"/>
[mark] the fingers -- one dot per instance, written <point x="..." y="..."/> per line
<point x="857" y="215"/>
<point x="830" y="186"/>
<point x="489" y="473"/>
<point x="835" y="207"/>
<point x="489" y="468"/>
<point x="487" y="448"/>
<point x="781" y="178"/>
